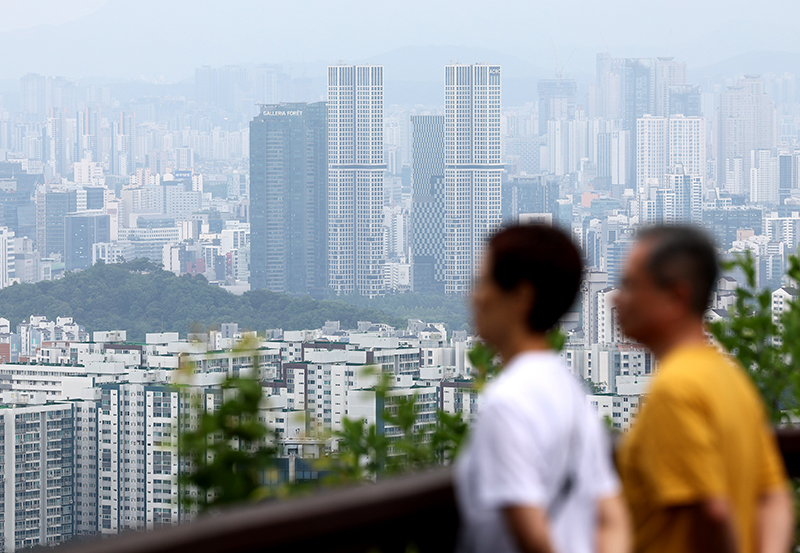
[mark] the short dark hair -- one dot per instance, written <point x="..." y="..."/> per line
<point x="683" y="253"/>
<point x="543" y="256"/>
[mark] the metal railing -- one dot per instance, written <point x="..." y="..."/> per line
<point x="416" y="509"/>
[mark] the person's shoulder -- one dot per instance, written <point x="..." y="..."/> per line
<point x="694" y="364"/>
<point x="529" y="377"/>
<point x="693" y="374"/>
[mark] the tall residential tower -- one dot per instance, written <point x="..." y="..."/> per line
<point x="472" y="170"/>
<point x="355" y="179"/>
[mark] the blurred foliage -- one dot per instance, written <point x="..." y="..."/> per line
<point x="228" y="459"/>
<point x="594" y="387"/>
<point x="365" y="452"/>
<point x="226" y="453"/>
<point x="770" y="349"/>
<point x="140" y="297"/>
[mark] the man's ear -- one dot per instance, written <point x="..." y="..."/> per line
<point x="525" y="294"/>
<point x="683" y="291"/>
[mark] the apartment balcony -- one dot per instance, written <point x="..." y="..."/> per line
<point x="416" y="509"/>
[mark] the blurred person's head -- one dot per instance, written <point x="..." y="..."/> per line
<point x="667" y="283"/>
<point x="529" y="278"/>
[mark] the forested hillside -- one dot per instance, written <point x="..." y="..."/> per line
<point x="140" y="297"/>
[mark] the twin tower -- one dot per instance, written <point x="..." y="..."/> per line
<point x="317" y="186"/>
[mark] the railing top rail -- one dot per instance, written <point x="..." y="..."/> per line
<point x="355" y="518"/>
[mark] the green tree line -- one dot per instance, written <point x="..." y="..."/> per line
<point x="140" y="297"/>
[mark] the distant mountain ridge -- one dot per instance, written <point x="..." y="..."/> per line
<point x="750" y="63"/>
<point x="164" y="41"/>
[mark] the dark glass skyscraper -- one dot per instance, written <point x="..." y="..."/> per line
<point x="427" y="223"/>
<point x="81" y="232"/>
<point x="52" y="206"/>
<point x="288" y="199"/>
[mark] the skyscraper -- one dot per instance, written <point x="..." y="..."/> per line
<point x="685" y="100"/>
<point x="787" y="174"/>
<point x="746" y="122"/>
<point x="688" y="189"/>
<point x="34" y="96"/>
<point x="472" y="168"/>
<point x="81" y="232"/>
<point x="427" y="249"/>
<point x="652" y="153"/>
<point x="628" y="89"/>
<point x="556" y="101"/>
<point x="687" y="144"/>
<point x="288" y="202"/>
<point x="669" y="73"/>
<point x="355" y="179"/>
<point x="6" y="256"/>
<point x="665" y="142"/>
<point x="52" y="206"/>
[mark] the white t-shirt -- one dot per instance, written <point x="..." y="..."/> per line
<point x="534" y="428"/>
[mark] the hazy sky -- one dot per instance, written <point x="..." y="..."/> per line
<point x="23" y="14"/>
<point x="168" y="38"/>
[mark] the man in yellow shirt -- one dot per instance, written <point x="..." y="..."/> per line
<point x="700" y="468"/>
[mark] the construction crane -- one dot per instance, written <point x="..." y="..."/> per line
<point x="560" y="68"/>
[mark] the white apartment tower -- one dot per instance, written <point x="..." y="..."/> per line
<point x="6" y="256"/>
<point x="663" y="143"/>
<point x="355" y="179"/>
<point x="687" y="144"/>
<point x="652" y="150"/>
<point x="472" y="168"/>
<point x="37" y="463"/>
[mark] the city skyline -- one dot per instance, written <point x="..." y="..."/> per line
<point x="279" y="211"/>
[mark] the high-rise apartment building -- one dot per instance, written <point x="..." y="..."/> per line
<point x="613" y="152"/>
<point x="652" y="150"/>
<point x="685" y="100"/>
<point x="687" y="144"/>
<point x="427" y="249"/>
<point x="288" y="199"/>
<point x="764" y="177"/>
<point x="57" y="150"/>
<point x="746" y="122"/>
<point x="356" y="171"/>
<point x="628" y="89"/>
<point x="787" y="173"/>
<point x="7" y="256"/>
<point x="666" y="142"/>
<point x="472" y="168"/>
<point x="669" y="74"/>
<point x="688" y="194"/>
<point x="34" y="96"/>
<point x="37" y="467"/>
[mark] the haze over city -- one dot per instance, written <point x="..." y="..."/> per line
<point x="314" y="183"/>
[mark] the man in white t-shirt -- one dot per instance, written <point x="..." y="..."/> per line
<point x="536" y="474"/>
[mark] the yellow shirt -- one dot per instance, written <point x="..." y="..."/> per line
<point x="702" y="432"/>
